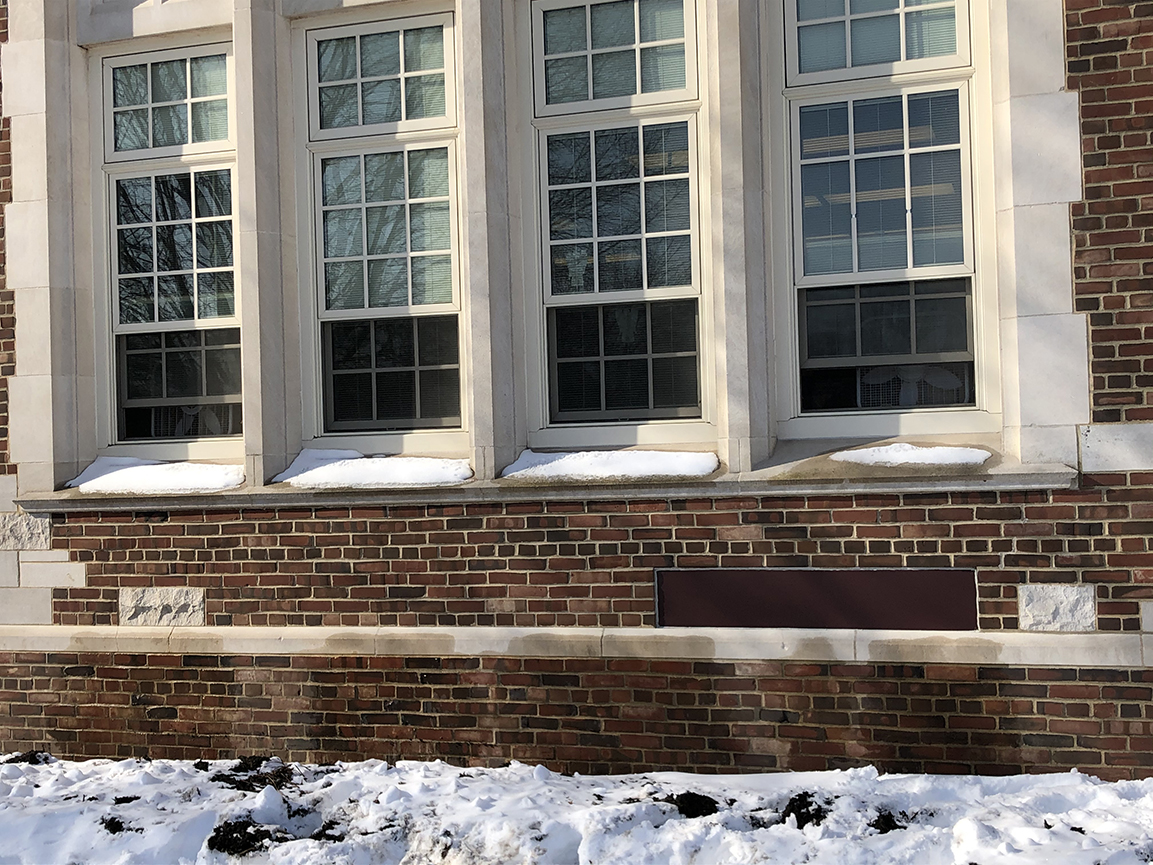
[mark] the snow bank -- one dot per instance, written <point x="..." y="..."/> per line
<point x="130" y="476"/>
<point x="130" y="811"/>
<point x="611" y="465"/>
<point x="315" y="469"/>
<point x="901" y="454"/>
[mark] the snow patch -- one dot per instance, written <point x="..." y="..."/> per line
<point x="611" y="465"/>
<point x="131" y="476"/>
<point x="901" y="454"/>
<point x="316" y="469"/>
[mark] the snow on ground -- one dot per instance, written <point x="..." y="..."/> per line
<point x="315" y="469"/>
<point x="611" y="465"/>
<point x="410" y="813"/>
<point x="901" y="454"/>
<point x="131" y="476"/>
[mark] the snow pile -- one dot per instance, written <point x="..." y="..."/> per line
<point x="315" y="469"/>
<point x="131" y="476"/>
<point x="133" y="811"/>
<point x="610" y="465"/>
<point x="901" y="454"/>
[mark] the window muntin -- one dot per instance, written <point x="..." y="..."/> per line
<point x="378" y="78"/>
<point x="609" y="54"/>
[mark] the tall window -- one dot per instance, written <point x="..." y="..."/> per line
<point x="169" y="170"/>
<point x="882" y="210"/>
<point x="619" y="222"/>
<point x="384" y="213"/>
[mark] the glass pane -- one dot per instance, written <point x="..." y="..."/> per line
<point x="338" y="106"/>
<point x="380" y="101"/>
<point x="169" y="81"/>
<point x="620" y="265"/>
<point x="821" y="47"/>
<point x="141" y="341"/>
<point x="182" y="373"/>
<point x="440" y="393"/>
<point x="675" y="382"/>
<point x="169" y="125"/>
<point x="130" y="129"/>
<point x="387" y="230"/>
<point x="617" y="154"/>
<point x="215" y="294"/>
<point x="826" y="218"/>
<point x="423" y="49"/>
<point x="882" y="289"/>
<point x="336" y="59"/>
<point x="578" y="332"/>
<point x="424" y="96"/>
<point x="670" y="260"/>
<point x="674" y="326"/>
<point x="222" y="371"/>
<point x="667" y="205"/>
<point x="352" y="397"/>
<point x="863" y="7"/>
<point x="135" y="300"/>
<point x="666" y="149"/>
<point x="129" y="86"/>
<point x="878" y="124"/>
<point x="344" y="285"/>
<point x="614" y="74"/>
<point x="210" y="120"/>
<point x="831" y="331"/>
<point x="626" y="384"/>
<point x="209" y="76"/>
<point x="383" y="177"/>
<point x="394" y="343"/>
<point x="214" y="244"/>
<point x="569" y="159"/>
<point x="432" y="279"/>
<point x="340" y="179"/>
<point x="612" y="24"/>
<point x="885" y="328"/>
<point x="570" y="213"/>
<point x="438" y="341"/>
<point x="572" y="268"/>
<point x="173" y="197"/>
<point x="174" y="296"/>
<point x="824" y="130"/>
<point x="618" y="209"/>
<point x="942" y="286"/>
<point x="428" y="173"/>
<point x="626" y="329"/>
<point x="876" y="40"/>
<point x="388" y="281"/>
<point x="133" y="200"/>
<point x="174" y="247"/>
<point x="213" y="193"/>
<point x="942" y="325"/>
<point x="144" y="376"/>
<point x="429" y="226"/>
<point x="396" y="395"/>
<point x="564" y="30"/>
<point x="225" y="336"/>
<point x="934" y="119"/>
<point x="662" y="68"/>
<point x="182" y="339"/>
<point x="935" y="184"/>
<point x="578" y="386"/>
<point x="881" y="213"/>
<point x="808" y="10"/>
<point x="566" y="80"/>
<point x="342" y="231"/>
<point x="662" y="19"/>
<point x="380" y="54"/>
<point x="932" y="33"/>
<point x="351" y="344"/>
<point x="134" y="247"/>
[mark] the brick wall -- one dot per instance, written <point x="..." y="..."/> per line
<point x="586" y="715"/>
<point x="7" y="297"/>
<point x="1110" y="50"/>
<point x="591" y="563"/>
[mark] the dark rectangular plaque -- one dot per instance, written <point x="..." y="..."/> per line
<point x="905" y="599"/>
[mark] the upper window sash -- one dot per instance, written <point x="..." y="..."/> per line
<point x="383" y="77"/>
<point x="838" y="40"/>
<point x="612" y="54"/>
<point x="169" y="103"/>
<point x="883" y="175"/>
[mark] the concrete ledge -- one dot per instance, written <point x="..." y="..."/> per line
<point x="1012" y="648"/>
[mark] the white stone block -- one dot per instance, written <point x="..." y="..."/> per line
<point x="1048" y="444"/>
<point x="44" y="556"/>
<point x="27" y="258"/>
<point x="30" y="413"/>
<point x="9" y="569"/>
<point x="1044" y="259"/>
<point x="165" y="606"/>
<point x="1046" y="146"/>
<point x="1147" y="615"/>
<point x="53" y="575"/>
<point x="1117" y="447"/>
<point x="33" y="331"/>
<point x="25" y="606"/>
<point x="1056" y="607"/>
<point x="23" y="73"/>
<point x="1053" y="352"/>
<point x="7" y="493"/>
<point x="29" y="149"/>
<point x="25" y="532"/>
<point x="1036" y="31"/>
